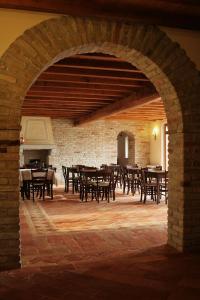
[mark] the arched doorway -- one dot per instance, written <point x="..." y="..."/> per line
<point x="125" y="148"/>
<point x="160" y="59"/>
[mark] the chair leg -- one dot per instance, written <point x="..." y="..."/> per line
<point x="43" y="192"/>
<point x="67" y="183"/>
<point x="108" y="195"/>
<point x="113" y="195"/>
<point x="33" y="194"/>
<point x="124" y="187"/>
<point x="145" y="194"/>
<point x="22" y="192"/>
<point x="51" y="188"/>
<point x="65" y="186"/>
<point x="141" y="193"/>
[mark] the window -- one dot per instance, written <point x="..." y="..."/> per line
<point x="126" y="146"/>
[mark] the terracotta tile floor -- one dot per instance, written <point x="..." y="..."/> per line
<point x="73" y="250"/>
<point x="67" y="231"/>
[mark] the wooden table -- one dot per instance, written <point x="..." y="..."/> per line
<point x="25" y="174"/>
<point x="25" y="179"/>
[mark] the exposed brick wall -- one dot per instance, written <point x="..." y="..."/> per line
<point x="162" y="61"/>
<point x="96" y="143"/>
<point x="9" y="200"/>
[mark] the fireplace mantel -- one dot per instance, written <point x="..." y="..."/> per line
<point x="36" y="147"/>
<point x="37" y="133"/>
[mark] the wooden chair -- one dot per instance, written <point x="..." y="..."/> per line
<point x="49" y="182"/>
<point x="148" y="186"/>
<point x="69" y="178"/>
<point x="105" y="185"/>
<point x="164" y="186"/>
<point x="87" y="182"/>
<point x="38" y="183"/>
<point x="64" y="171"/>
<point x="129" y="180"/>
<point x="25" y="189"/>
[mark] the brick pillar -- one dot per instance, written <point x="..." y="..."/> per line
<point x="9" y="200"/>
<point x="176" y="191"/>
<point x="184" y="189"/>
<point x="191" y="220"/>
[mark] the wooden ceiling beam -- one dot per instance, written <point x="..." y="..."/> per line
<point x="85" y="85"/>
<point x="137" y="111"/>
<point x="93" y="65"/>
<point x="97" y="57"/>
<point x="60" y="105"/>
<point x="77" y="91"/>
<point x="148" y="112"/>
<point x="78" y="97"/>
<point x="88" y="93"/>
<point x="50" y="114"/>
<point x="134" y="100"/>
<point x="129" y="82"/>
<point x="139" y="118"/>
<point x="33" y="108"/>
<point x="74" y="101"/>
<point x="152" y="116"/>
<point x="61" y="112"/>
<point x="150" y="109"/>
<point x="64" y="102"/>
<point x="68" y="108"/>
<point x="182" y="14"/>
<point x="95" y="73"/>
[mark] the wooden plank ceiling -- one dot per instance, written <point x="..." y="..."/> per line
<point x="83" y="86"/>
<point x="172" y="13"/>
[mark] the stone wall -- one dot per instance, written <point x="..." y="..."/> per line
<point x="96" y="143"/>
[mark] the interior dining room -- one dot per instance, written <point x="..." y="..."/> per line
<point x="99" y="149"/>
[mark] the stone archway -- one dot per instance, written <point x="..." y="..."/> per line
<point x="162" y="61"/>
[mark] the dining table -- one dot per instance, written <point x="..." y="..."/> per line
<point x="26" y="175"/>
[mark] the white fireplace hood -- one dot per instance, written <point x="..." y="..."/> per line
<point x="36" y="133"/>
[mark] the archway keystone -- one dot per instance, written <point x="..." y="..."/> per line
<point x="162" y="61"/>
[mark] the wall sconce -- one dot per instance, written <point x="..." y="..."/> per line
<point x="155" y="132"/>
<point x="22" y="140"/>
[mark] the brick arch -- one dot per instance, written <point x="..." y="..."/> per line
<point x="146" y="47"/>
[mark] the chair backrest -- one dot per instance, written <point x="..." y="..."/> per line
<point x="51" y="168"/>
<point x="159" y="167"/>
<point x="78" y="167"/>
<point x="51" y="174"/>
<point x="145" y="177"/>
<point x="39" y="175"/>
<point x="131" y="166"/>
<point x="103" y="166"/>
<point x="89" y="168"/>
<point x="87" y="175"/>
<point x="104" y="176"/>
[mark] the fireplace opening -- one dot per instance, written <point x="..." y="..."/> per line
<point x="36" y="158"/>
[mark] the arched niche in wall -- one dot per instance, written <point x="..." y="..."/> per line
<point x="125" y="148"/>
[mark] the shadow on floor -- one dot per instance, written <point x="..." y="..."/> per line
<point x="157" y="273"/>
